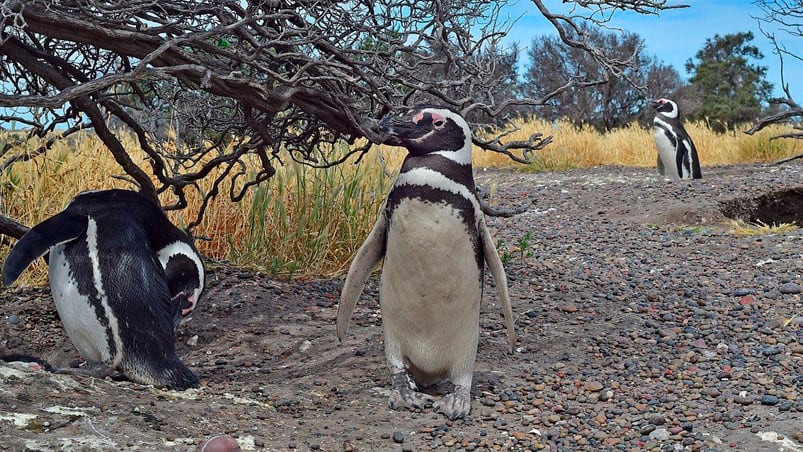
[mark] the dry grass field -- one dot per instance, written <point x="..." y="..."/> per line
<point x="308" y="222"/>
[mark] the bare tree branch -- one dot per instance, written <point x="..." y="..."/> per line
<point x="788" y="16"/>
<point x="252" y="83"/>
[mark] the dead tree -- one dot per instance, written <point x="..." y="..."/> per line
<point x="787" y="16"/>
<point x="256" y="82"/>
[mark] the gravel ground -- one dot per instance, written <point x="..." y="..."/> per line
<point x="643" y="323"/>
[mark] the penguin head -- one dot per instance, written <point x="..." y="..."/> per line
<point x="427" y="130"/>
<point x="184" y="282"/>
<point x="185" y="276"/>
<point x="666" y="107"/>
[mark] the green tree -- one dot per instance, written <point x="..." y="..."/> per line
<point x="732" y="89"/>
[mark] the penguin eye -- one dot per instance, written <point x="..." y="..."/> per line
<point x="438" y="123"/>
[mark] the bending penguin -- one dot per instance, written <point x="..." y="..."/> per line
<point x="122" y="276"/>
<point x="677" y="156"/>
<point x="432" y="235"/>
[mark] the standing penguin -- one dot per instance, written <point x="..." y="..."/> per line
<point x="122" y="275"/>
<point x="435" y="243"/>
<point x="677" y="156"/>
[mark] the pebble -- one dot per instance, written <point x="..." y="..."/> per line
<point x="398" y="437"/>
<point x="219" y="444"/>
<point x="789" y="288"/>
<point x="657" y="419"/>
<point x="13" y="319"/>
<point x="593" y="386"/>
<point x="768" y="399"/>
<point x="660" y="434"/>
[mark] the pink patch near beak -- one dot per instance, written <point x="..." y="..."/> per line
<point x="418" y="117"/>
<point x="436" y="117"/>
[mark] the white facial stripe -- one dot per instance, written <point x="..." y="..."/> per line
<point x="426" y="176"/>
<point x="461" y="156"/>
<point x="672" y="113"/>
<point x="182" y="248"/>
<point x="92" y="245"/>
<point x="423" y="137"/>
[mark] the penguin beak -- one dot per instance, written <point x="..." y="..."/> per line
<point x="395" y="129"/>
<point x="655" y="104"/>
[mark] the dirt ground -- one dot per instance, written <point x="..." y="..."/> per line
<point x="637" y="311"/>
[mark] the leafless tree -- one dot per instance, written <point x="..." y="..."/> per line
<point x="600" y="101"/>
<point x="261" y="80"/>
<point x="787" y="17"/>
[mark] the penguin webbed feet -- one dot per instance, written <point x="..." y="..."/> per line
<point x="456" y="404"/>
<point x="96" y="370"/>
<point x="404" y="393"/>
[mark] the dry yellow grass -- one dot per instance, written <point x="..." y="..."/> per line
<point x="306" y="222"/>
<point x="580" y="147"/>
<point x="741" y="228"/>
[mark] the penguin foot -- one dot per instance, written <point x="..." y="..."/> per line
<point x="407" y="398"/>
<point x="455" y="405"/>
<point x="406" y="395"/>
<point x="97" y="370"/>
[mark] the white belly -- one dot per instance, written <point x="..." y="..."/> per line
<point x="431" y="288"/>
<point x="76" y="312"/>
<point x="667" y="154"/>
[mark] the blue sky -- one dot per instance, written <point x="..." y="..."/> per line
<point x="676" y="35"/>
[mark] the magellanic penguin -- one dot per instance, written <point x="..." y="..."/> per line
<point x="121" y="275"/>
<point x="677" y="156"/>
<point x="432" y="235"/>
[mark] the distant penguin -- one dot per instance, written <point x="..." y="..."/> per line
<point x="432" y="234"/>
<point x="121" y="275"/>
<point x="677" y="156"/>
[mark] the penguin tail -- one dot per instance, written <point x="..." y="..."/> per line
<point x="170" y="373"/>
<point x="179" y="377"/>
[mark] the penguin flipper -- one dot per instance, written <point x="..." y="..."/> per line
<point x="369" y="254"/>
<point x="61" y="228"/>
<point x="498" y="272"/>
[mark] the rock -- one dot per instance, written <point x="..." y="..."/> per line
<point x="660" y="434"/>
<point x="220" y="443"/>
<point x="657" y="419"/>
<point x="593" y="386"/>
<point x="768" y="399"/>
<point x="398" y="437"/>
<point x="789" y="288"/>
<point x="305" y="346"/>
<point x="13" y="319"/>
